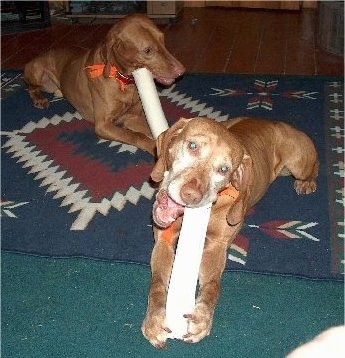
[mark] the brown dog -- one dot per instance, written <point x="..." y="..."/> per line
<point x="98" y="82"/>
<point x="231" y="164"/>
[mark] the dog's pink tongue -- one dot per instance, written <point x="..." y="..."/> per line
<point x="165" y="210"/>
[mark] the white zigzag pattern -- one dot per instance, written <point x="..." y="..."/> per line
<point x="200" y="109"/>
<point x="55" y="180"/>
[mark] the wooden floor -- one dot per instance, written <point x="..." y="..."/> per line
<point x="206" y="40"/>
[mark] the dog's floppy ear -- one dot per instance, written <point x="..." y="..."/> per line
<point x="164" y="143"/>
<point x="158" y="170"/>
<point x="241" y="180"/>
<point x="118" y="51"/>
<point x="108" y="54"/>
<point x="111" y="49"/>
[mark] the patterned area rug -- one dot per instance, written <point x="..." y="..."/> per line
<point x="67" y="193"/>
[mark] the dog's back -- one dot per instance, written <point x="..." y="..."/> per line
<point x="276" y="148"/>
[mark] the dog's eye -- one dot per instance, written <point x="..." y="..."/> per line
<point x="223" y="169"/>
<point x="192" y="146"/>
<point x="148" y="50"/>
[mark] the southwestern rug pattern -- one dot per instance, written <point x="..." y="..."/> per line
<point x="67" y="193"/>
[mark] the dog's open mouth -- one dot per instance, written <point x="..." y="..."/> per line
<point x="165" y="210"/>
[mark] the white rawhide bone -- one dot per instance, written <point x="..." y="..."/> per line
<point x="150" y="101"/>
<point x="184" y="276"/>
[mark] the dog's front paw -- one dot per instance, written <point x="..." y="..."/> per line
<point x="155" y="330"/>
<point x="199" y="323"/>
<point x="305" y="186"/>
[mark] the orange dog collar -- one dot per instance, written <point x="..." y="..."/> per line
<point x="97" y="70"/>
<point x="230" y="191"/>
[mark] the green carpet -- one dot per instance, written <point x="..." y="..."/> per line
<point x="87" y="308"/>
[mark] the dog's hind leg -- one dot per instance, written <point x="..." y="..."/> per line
<point x="39" y="79"/>
<point x="306" y="183"/>
<point x="297" y="156"/>
<point x="37" y="98"/>
<point x="303" y="164"/>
